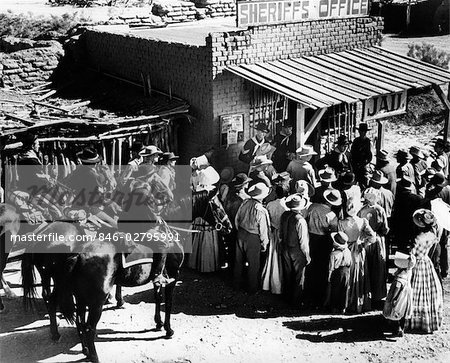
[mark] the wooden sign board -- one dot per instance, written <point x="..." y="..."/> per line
<point x="231" y="129"/>
<point x="384" y="106"/>
<point x="266" y="12"/>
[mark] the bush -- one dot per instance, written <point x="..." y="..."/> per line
<point x="429" y="53"/>
<point x="37" y="27"/>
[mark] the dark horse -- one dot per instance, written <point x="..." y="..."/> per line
<point x="89" y="276"/>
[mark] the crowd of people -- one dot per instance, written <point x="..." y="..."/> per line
<point x="320" y="233"/>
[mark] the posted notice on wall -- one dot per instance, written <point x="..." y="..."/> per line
<point x="231" y="129"/>
<point x="265" y="12"/>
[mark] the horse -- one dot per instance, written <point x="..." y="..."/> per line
<point x="9" y="226"/>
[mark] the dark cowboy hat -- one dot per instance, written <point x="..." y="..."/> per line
<point x="240" y="180"/>
<point x="169" y="156"/>
<point x="406" y="183"/>
<point x="363" y="127"/>
<point x="439" y="180"/>
<point x="89" y="156"/>
<point x="403" y="154"/>
<point x="262" y="126"/>
<point x="415" y="151"/>
<point x="378" y="178"/>
<point x="287" y="123"/>
<point x="343" y="140"/>
<point x="137" y="146"/>
<point x="348" y="178"/>
<point x="227" y="174"/>
<point x="281" y="177"/>
<point x="382" y="155"/>
<point x="296" y="202"/>
<point x="424" y="217"/>
<point x="28" y="138"/>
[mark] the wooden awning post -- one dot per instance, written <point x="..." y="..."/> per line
<point x="380" y="136"/>
<point x="300" y="125"/>
<point x="445" y="99"/>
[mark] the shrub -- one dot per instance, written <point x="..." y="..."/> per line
<point x="429" y="53"/>
<point x="37" y="27"/>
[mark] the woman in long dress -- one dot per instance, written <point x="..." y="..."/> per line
<point x="272" y="274"/>
<point x="360" y="235"/>
<point x="427" y="305"/>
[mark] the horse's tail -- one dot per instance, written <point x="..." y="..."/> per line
<point x="66" y="289"/>
<point x="28" y="277"/>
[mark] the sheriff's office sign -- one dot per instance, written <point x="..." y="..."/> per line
<point x="384" y="106"/>
<point x="264" y="12"/>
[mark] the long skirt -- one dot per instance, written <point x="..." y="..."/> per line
<point x="359" y="293"/>
<point x="427" y="305"/>
<point x="272" y="273"/>
<point x="205" y="248"/>
<point x="316" y="274"/>
<point x="339" y="289"/>
<point x="376" y="263"/>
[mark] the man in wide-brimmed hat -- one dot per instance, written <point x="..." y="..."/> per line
<point x="294" y="248"/>
<point x="261" y="170"/>
<point x="404" y="168"/>
<point x="251" y="146"/>
<point x="420" y="167"/>
<point x="300" y="168"/>
<point x="167" y="169"/>
<point x="339" y="158"/>
<point x="384" y="165"/>
<point x="327" y="177"/>
<point x="442" y="151"/>
<point x="253" y="236"/>
<point x="361" y="152"/>
<point x="405" y="204"/>
<point x="386" y="198"/>
<point x="321" y="222"/>
<point x="284" y="142"/>
<point x="132" y="165"/>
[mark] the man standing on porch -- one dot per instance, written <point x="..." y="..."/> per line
<point x="248" y="153"/>
<point x="361" y="152"/>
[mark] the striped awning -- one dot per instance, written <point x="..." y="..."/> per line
<point x="349" y="76"/>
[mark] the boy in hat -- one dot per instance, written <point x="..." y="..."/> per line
<point x="167" y="170"/>
<point x="339" y="158"/>
<point x="261" y="170"/>
<point x="398" y="304"/>
<point x="361" y="152"/>
<point x="300" y="168"/>
<point x="420" y="167"/>
<point x="253" y="225"/>
<point x="284" y="143"/>
<point x="294" y="248"/>
<point x="251" y="146"/>
<point x="383" y="165"/>
<point x="339" y="274"/>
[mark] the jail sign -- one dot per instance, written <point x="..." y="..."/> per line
<point x="264" y="12"/>
<point x="384" y="106"/>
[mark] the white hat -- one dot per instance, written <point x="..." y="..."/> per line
<point x="260" y="160"/>
<point x="150" y="150"/>
<point x="402" y="260"/>
<point x="258" y="191"/>
<point x="199" y="162"/>
<point x="296" y="202"/>
<point x="306" y="150"/>
<point x="207" y="178"/>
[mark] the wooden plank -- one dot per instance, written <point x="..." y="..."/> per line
<point x="48" y="105"/>
<point x="264" y="71"/>
<point x="330" y="83"/>
<point x="260" y="81"/>
<point x="441" y="96"/>
<point x="331" y="66"/>
<point x="300" y="125"/>
<point x="325" y="73"/>
<point x="25" y="121"/>
<point x="425" y="74"/>
<point x="397" y="67"/>
<point x="47" y="95"/>
<point x="314" y="122"/>
<point x="414" y="62"/>
<point x="394" y="82"/>
<point x="314" y="90"/>
<point x="298" y="77"/>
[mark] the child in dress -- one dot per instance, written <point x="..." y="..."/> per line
<point x="397" y="307"/>
<point x="339" y="273"/>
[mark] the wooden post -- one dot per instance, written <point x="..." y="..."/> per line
<point x="408" y="16"/>
<point x="445" y="99"/>
<point x="300" y="125"/>
<point x="380" y="137"/>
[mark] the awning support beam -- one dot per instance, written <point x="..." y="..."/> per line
<point x="446" y="102"/>
<point x="314" y="122"/>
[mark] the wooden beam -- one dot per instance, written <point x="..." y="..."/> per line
<point x="446" y="101"/>
<point x="441" y="94"/>
<point x="21" y="119"/>
<point x="300" y="125"/>
<point x="314" y="121"/>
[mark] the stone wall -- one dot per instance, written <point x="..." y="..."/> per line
<point x="25" y="63"/>
<point x="182" y="70"/>
<point x="197" y="74"/>
<point x="175" y="11"/>
<point x="217" y="8"/>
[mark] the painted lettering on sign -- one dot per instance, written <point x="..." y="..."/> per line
<point x="263" y="12"/>
<point x="384" y="106"/>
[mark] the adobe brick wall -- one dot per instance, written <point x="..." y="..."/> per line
<point x="196" y="73"/>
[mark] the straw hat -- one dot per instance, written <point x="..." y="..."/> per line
<point x="305" y="150"/>
<point x="424" y="217"/>
<point x="296" y="202"/>
<point x="260" y="160"/>
<point x="327" y="175"/>
<point x="151" y="150"/>
<point x="402" y="260"/>
<point x="333" y="196"/>
<point x="265" y="149"/>
<point x="258" y="191"/>
<point x="415" y="151"/>
<point x="340" y="239"/>
<point x="207" y="178"/>
<point x="89" y="156"/>
<point x="240" y="180"/>
<point x="378" y="178"/>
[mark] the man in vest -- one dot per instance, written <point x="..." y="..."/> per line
<point x="251" y="146"/>
<point x="285" y="147"/>
<point x="361" y="152"/>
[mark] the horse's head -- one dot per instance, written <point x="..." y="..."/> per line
<point x="221" y="220"/>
